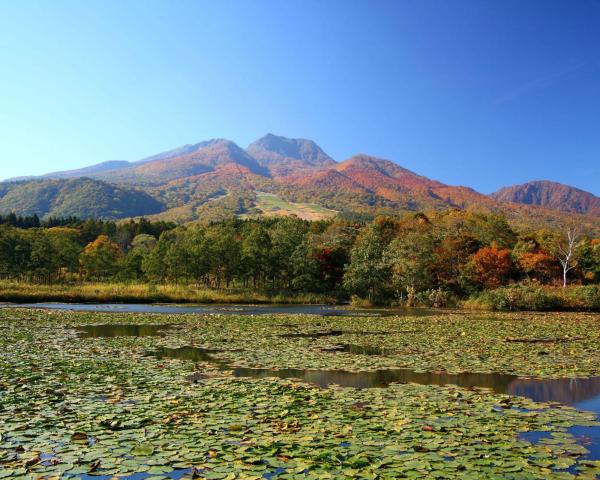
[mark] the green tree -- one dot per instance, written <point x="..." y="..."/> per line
<point x="101" y="258"/>
<point x="409" y="258"/>
<point x="368" y="274"/>
<point x="256" y="254"/>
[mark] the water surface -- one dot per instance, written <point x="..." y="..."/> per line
<point x="323" y="310"/>
<point x="121" y="330"/>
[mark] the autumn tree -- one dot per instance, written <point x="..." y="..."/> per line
<point x="533" y="261"/>
<point x="540" y="266"/>
<point x="450" y="266"/>
<point x="492" y="266"/>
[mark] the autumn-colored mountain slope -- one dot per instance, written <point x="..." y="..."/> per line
<point x="81" y="197"/>
<point x="551" y="195"/>
<point x="216" y="178"/>
<point x="205" y="157"/>
<point x="284" y="156"/>
<point x="385" y="179"/>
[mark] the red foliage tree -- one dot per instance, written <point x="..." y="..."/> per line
<point x="492" y="266"/>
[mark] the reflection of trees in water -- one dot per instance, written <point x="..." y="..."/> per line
<point x="563" y="390"/>
<point x="382" y="378"/>
<point x="114" y="330"/>
<point x="566" y="390"/>
<point x="193" y="354"/>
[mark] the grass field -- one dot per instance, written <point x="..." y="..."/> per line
<point x="14" y="291"/>
<point x="272" y="205"/>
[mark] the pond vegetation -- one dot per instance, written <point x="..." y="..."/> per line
<point x="448" y="395"/>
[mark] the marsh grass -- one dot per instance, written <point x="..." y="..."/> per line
<point x="584" y="298"/>
<point x="17" y="291"/>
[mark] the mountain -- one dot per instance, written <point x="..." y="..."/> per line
<point x="382" y="178"/>
<point x="284" y="156"/>
<point x="275" y="175"/>
<point x="177" y="152"/>
<point x="184" y="162"/>
<point x="550" y="195"/>
<point x="81" y="197"/>
<point x="89" y="171"/>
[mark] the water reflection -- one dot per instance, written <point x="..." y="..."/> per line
<point x="581" y="393"/>
<point x="323" y="310"/>
<point x="121" y="330"/>
<point x="570" y="391"/>
<point x="381" y="378"/>
<point x="331" y="333"/>
<point x="193" y="354"/>
<point x="360" y="350"/>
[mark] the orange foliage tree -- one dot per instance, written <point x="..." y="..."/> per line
<point x="539" y="266"/>
<point x="492" y="266"/>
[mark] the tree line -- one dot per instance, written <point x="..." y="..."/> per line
<point x="414" y="259"/>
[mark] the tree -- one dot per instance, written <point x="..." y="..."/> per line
<point x="450" y="265"/>
<point x="225" y="247"/>
<point x="589" y="259"/>
<point x="368" y="274"/>
<point x="565" y="248"/>
<point x="65" y="247"/>
<point x="255" y="253"/>
<point x="409" y="257"/>
<point x="538" y="265"/>
<point x="306" y="274"/>
<point x="15" y="252"/>
<point x="492" y="266"/>
<point x="100" y="258"/>
<point x="141" y="246"/>
<point x="153" y="264"/>
<point x="286" y="234"/>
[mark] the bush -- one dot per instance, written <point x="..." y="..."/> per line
<point x="514" y="297"/>
<point x="583" y="297"/>
<point x="436" y="298"/>
<point x="525" y="296"/>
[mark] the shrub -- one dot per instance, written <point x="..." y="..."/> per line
<point x="583" y="297"/>
<point x="515" y="297"/>
<point x="526" y="296"/>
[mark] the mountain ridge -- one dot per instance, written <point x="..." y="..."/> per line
<point x="549" y="194"/>
<point x="195" y="180"/>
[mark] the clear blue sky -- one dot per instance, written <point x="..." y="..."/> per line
<point x="483" y="92"/>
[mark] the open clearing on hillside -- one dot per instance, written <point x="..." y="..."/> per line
<point x="271" y="205"/>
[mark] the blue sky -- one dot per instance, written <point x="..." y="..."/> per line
<point x="482" y="93"/>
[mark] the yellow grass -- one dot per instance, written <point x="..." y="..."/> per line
<point x="17" y="291"/>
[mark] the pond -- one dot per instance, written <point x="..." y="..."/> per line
<point x="322" y="310"/>
<point x="298" y="396"/>
<point x="581" y="393"/>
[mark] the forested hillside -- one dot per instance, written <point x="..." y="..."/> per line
<point x="81" y="197"/>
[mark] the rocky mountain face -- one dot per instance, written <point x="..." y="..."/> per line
<point x="285" y="156"/>
<point x="551" y="195"/>
<point x="217" y="178"/>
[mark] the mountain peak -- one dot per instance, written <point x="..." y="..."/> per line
<point x="549" y="194"/>
<point x="284" y="155"/>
